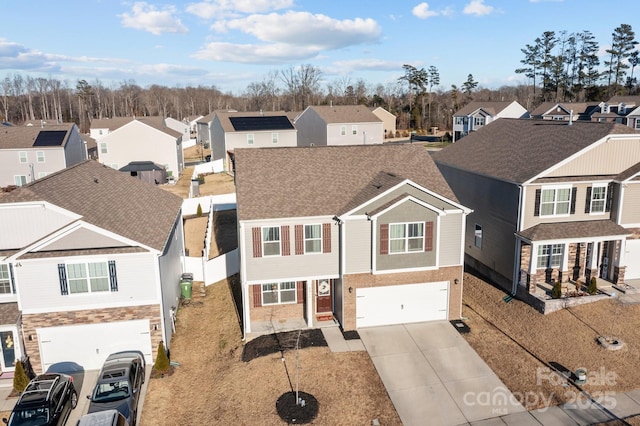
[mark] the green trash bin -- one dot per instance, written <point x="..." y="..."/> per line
<point x="185" y="289"/>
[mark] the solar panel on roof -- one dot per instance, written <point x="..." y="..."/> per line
<point x="278" y="122"/>
<point x="50" y="138"/>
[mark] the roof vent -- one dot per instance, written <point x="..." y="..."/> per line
<point x="95" y="179"/>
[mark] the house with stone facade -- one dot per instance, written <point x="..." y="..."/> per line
<point x="552" y="201"/>
<point x="365" y="234"/>
<point x="90" y="261"/>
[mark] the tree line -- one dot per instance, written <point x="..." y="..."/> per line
<point x="558" y="67"/>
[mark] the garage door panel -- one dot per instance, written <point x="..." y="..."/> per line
<point x="89" y="344"/>
<point x="400" y="304"/>
<point x="632" y="259"/>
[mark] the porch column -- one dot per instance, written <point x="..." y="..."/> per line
<point x="309" y="304"/>
<point x="564" y="265"/>
<point x="620" y="260"/>
<point x="534" y="258"/>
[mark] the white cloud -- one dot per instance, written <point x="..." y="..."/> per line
<point x="367" y="64"/>
<point x="422" y="11"/>
<point x="477" y="7"/>
<point x="275" y="53"/>
<point x="210" y="9"/>
<point x="146" y="17"/>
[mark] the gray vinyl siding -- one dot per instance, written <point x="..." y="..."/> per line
<point x="217" y="140"/>
<point x="74" y="150"/>
<point x="170" y="271"/>
<point x="406" y="212"/>
<point x="450" y="243"/>
<point x="261" y="139"/>
<point x="312" y="130"/>
<point x="631" y="205"/>
<point x="609" y="158"/>
<point x="357" y="235"/>
<point x="11" y="166"/>
<point x="439" y="203"/>
<point x="367" y="134"/>
<point x="292" y="267"/>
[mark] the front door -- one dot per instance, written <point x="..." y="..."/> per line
<point x="7" y="343"/>
<point x="323" y="300"/>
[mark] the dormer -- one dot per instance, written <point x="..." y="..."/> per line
<point x="606" y="108"/>
<point x="622" y="108"/>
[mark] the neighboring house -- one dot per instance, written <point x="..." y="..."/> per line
<point x="476" y="115"/>
<point x="193" y="126"/>
<point x="147" y="171"/>
<point x="231" y="130"/>
<point x="619" y="109"/>
<point x="203" y="132"/>
<point x="28" y="153"/>
<point x="90" y="260"/>
<point x="564" y="111"/>
<point x="143" y="139"/>
<point x="338" y="125"/>
<point x="388" y="121"/>
<point x="92" y="146"/>
<point x="103" y="126"/>
<point x="180" y="127"/>
<point x="551" y="201"/>
<point x="368" y="235"/>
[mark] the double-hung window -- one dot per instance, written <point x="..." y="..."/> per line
<point x="5" y="279"/>
<point x="103" y="148"/>
<point x="354" y="129"/>
<point x="478" y="121"/>
<point x="87" y="277"/>
<point x="555" y="201"/>
<point x="40" y="156"/>
<point x="406" y="237"/>
<point x="250" y="138"/>
<point x="343" y="130"/>
<point x="312" y="239"/>
<point x="278" y="293"/>
<point x="550" y="255"/>
<point x="22" y="156"/>
<point x="459" y="120"/>
<point x="271" y="241"/>
<point x="598" y="198"/>
<point x="274" y="138"/>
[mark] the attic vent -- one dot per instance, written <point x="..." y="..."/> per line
<point x="377" y="185"/>
<point x="95" y="179"/>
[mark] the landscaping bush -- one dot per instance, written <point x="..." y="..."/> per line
<point x="20" y="378"/>
<point x="199" y="211"/>
<point x="201" y="179"/>
<point x="593" y="286"/>
<point x="162" y="360"/>
<point x="556" y="292"/>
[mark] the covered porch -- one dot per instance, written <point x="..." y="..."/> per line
<point x="571" y="253"/>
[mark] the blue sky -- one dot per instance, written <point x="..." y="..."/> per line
<point x="231" y="43"/>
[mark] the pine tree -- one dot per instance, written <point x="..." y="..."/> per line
<point x="20" y="378"/>
<point x="622" y="44"/>
<point x="199" y="211"/>
<point x="162" y="360"/>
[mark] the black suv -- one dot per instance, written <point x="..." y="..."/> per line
<point x="47" y="400"/>
<point x="119" y="385"/>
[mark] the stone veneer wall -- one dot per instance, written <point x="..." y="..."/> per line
<point x="369" y="280"/>
<point x="31" y="322"/>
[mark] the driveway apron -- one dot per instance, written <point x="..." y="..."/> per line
<point x="431" y="372"/>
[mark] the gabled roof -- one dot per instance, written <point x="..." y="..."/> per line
<point x="551" y="108"/>
<point x="345" y="114"/>
<point x="492" y="107"/>
<point x="235" y="121"/>
<point x="328" y="180"/>
<point x="156" y="122"/>
<point x="573" y="230"/>
<point x="516" y="150"/>
<point x="110" y="123"/>
<point x="109" y="199"/>
<point x="141" y="166"/>
<point x="629" y="100"/>
<point x="16" y="137"/>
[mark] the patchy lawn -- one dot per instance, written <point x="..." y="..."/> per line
<point x="194" y="234"/>
<point x="214" y="184"/>
<point x="522" y="346"/>
<point x="214" y="386"/>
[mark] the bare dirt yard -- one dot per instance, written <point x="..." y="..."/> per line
<point x="213" y="385"/>
<point x="214" y="184"/>
<point x="524" y="347"/>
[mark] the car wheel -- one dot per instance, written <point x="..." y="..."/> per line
<point x="74" y="399"/>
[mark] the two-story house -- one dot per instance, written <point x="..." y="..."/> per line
<point x="476" y="115"/>
<point x="232" y="129"/>
<point x="338" y="125"/>
<point x="366" y="234"/>
<point x="619" y="109"/>
<point x="564" y="111"/>
<point x="90" y="261"/>
<point x="28" y="153"/>
<point x="552" y="201"/>
<point x="141" y="139"/>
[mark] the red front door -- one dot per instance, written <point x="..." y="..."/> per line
<point x="323" y="298"/>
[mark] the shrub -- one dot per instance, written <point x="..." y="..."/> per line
<point x="162" y="360"/>
<point x="20" y="378"/>
<point x="556" y="292"/>
<point x="593" y="286"/>
<point x="199" y="211"/>
<point x="201" y="179"/>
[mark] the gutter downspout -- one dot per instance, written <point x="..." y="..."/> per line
<point x="518" y="244"/>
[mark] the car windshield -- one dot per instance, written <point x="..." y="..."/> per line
<point x="31" y="417"/>
<point x="111" y="391"/>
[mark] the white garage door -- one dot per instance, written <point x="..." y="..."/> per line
<point x="89" y="345"/>
<point x="632" y="259"/>
<point x="401" y="304"/>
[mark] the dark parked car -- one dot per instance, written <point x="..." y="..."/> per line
<point x="119" y="383"/>
<point x="103" y="418"/>
<point x="47" y="400"/>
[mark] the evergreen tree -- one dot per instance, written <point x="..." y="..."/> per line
<point x="162" y="363"/>
<point x="622" y="44"/>
<point x="469" y="85"/>
<point x="20" y="378"/>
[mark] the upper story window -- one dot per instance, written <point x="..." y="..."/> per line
<point x="354" y="129"/>
<point x="459" y="120"/>
<point x="637" y="123"/>
<point x="20" y="180"/>
<point x="477" y="236"/>
<point x="103" y="148"/>
<point x="278" y="293"/>
<point x="598" y="199"/>
<point x="274" y="137"/>
<point x="271" y="241"/>
<point x="250" y="139"/>
<point x="87" y="277"/>
<point x="550" y="255"/>
<point x="406" y="237"/>
<point x="605" y="108"/>
<point x="478" y="121"/>
<point x="22" y="156"/>
<point x="555" y="201"/>
<point x="343" y="130"/>
<point x="5" y="279"/>
<point x="312" y="239"/>
<point x="40" y="156"/>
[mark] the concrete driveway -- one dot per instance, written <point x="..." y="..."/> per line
<point x="431" y="372"/>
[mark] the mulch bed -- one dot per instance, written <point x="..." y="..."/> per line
<point x="278" y="342"/>
<point x="293" y="413"/>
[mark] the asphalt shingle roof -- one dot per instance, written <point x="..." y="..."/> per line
<point x="17" y="137"/>
<point x="573" y="230"/>
<point x="314" y="181"/>
<point x="109" y="199"/>
<point x="491" y="107"/>
<point x="112" y="124"/>
<point x="516" y="150"/>
<point x="345" y="114"/>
